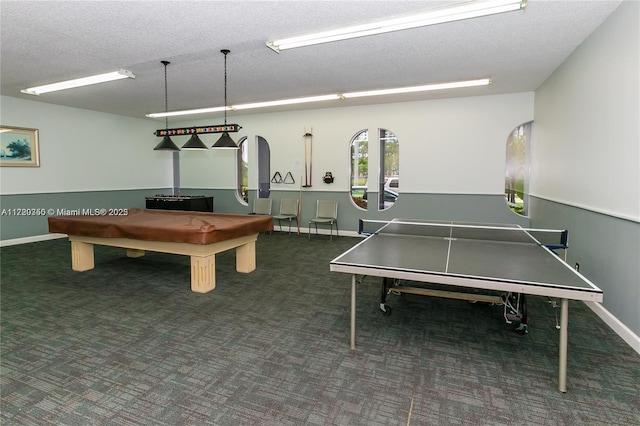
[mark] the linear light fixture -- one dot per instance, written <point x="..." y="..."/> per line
<point x="247" y="106"/>
<point x="437" y="86"/>
<point x="186" y="112"/>
<point x="79" y="82"/>
<point x="424" y="88"/>
<point x="457" y="12"/>
<point x="287" y="102"/>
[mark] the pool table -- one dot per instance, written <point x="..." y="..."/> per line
<point x="195" y="234"/>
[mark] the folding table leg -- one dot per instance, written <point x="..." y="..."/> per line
<point x="564" y="326"/>
<point x="353" y="311"/>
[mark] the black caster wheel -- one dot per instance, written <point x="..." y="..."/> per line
<point x="386" y="310"/>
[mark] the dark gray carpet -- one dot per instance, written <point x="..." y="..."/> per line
<point x="128" y="343"/>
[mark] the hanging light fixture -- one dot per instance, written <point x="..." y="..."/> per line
<point x="225" y="141"/>
<point x="166" y="144"/>
<point x="194" y="142"/>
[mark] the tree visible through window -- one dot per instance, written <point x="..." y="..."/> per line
<point x="389" y="169"/>
<point x="388" y="175"/>
<point x="359" y="168"/>
<point x="517" y="169"/>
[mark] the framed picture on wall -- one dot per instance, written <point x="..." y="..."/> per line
<point x="19" y="147"/>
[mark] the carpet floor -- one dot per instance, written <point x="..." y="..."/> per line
<point x="128" y="343"/>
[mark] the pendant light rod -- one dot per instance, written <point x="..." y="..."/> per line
<point x="225" y="52"/>
<point x="166" y="95"/>
<point x="166" y="144"/>
<point x="225" y="141"/>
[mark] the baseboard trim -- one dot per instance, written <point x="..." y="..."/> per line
<point x="33" y="239"/>
<point x="618" y="327"/>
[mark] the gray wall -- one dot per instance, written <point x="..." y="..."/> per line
<point x="473" y="208"/>
<point x="607" y="250"/>
<point x="458" y="207"/>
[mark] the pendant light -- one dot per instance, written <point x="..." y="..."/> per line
<point x="166" y="144"/>
<point x="194" y="143"/>
<point x="225" y="141"/>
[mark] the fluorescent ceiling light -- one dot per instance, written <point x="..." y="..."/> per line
<point x="287" y="102"/>
<point x="78" y="82"/>
<point x="187" y="112"/>
<point x="456" y="12"/>
<point x="245" y="106"/>
<point x="425" y="88"/>
<point x="336" y="96"/>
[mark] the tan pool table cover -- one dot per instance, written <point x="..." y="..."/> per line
<point x="163" y="225"/>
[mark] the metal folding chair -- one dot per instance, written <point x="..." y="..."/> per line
<point x="262" y="206"/>
<point x="288" y="211"/>
<point x="326" y="214"/>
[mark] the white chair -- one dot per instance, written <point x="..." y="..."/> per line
<point x="288" y="211"/>
<point x="327" y="214"/>
<point x="262" y="206"/>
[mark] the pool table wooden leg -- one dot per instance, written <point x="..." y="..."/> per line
<point x="81" y="256"/>
<point x="246" y="257"/>
<point x="203" y="273"/>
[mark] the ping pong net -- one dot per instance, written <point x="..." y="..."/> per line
<point x="550" y="238"/>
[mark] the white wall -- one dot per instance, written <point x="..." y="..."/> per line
<point x="454" y="146"/>
<point x="586" y="141"/>
<point x="450" y="146"/>
<point x="84" y="150"/>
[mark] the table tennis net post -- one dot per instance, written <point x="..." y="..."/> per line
<point x="552" y="238"/>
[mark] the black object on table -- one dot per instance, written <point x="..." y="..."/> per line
<point x="194" y="203"/>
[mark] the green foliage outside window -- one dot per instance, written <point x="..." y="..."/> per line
<point x="516" y="169"/>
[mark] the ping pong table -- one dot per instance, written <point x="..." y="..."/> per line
<point x="506" y="259"/>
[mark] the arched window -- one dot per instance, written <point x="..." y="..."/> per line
<point x="516" y="186"/>
<point x="388" y="176"/>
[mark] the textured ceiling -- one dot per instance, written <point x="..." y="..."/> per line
<point x="47" y="41"/>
